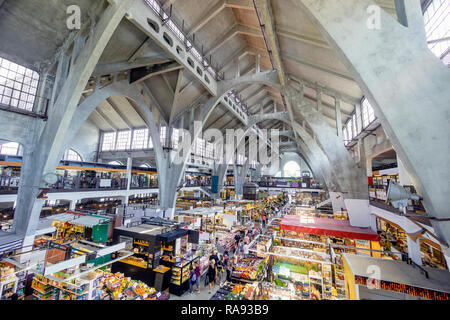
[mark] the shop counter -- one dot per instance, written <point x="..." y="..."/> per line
<point x="179" y="283"/>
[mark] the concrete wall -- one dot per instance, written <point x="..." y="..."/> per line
<point x="86" y="141"/>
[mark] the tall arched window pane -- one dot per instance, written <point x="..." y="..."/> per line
<point x="123" y="140"/>
<point x="140" y="139"/>
<point x="72" y="155"/>
<point x="437" y="27"/>
<point x="10" y="149"/>
<point x="291" y="170"/>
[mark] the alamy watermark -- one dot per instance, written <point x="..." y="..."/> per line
<point x="373" y="22"/>
<point x="73" y="21"/>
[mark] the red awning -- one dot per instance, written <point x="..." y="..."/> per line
<point x="327" y="227"/>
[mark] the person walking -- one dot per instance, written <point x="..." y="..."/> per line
<point x="198" y="273"/>
<point x="220" y="269"/>
<point x="227" y="265"/>
<point x="214" y="257"/>
<point x="211" y="274"/>
<point x="247" y="239"/>
<point x="192" y="279"/>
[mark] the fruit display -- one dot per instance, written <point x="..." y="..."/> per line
<point x="242" y="292"/>
<point x="124" y="288"/>
<point x="224" y="292"/>
<point x="249" y="269"/>
<point x="231" y="291"/>
<point x="6" y="271"/>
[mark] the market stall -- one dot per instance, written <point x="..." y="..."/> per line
<point x="162" y="255"/>
<point x="325" y="230"/>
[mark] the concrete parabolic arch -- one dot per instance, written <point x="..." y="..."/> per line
<point x="350" y="180"/>
<point x="316" y="158"/>
<point x="122" y="88"/>
<point x="345" y="177"/>
<point x="405" y="83"/>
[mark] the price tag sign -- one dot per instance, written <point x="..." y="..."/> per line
<point x="158" y="294"/>
<point x="285" y="271"/>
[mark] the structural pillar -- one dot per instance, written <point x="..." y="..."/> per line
<point x="414" y="250"/>
<point x="338" y="117"/>
<point x="403" y="175"/>
<point x="72" y="205"/>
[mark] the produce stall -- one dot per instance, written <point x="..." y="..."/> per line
<point x="162" y="255"/>
<point x="233" y="291"/>
<point x="249" y="270"/>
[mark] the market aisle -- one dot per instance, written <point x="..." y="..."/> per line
<point x="203" y="295"/>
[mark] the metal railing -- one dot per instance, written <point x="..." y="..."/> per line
<point x="10" y="185"/>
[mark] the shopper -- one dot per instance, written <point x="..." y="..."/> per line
<point x="214" y="257"/>
<point x="228" y="266"/>
<point x="237" y="238"/>
<point x="192" y="279"/>
<point x="247" y="239"/>
<point x="198" y="273"/>
<point x="220" y="269"/>
<point x="241" y="249"/>
<point x="211" y="274"/>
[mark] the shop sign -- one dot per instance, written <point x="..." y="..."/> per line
<point x="285" y="271"/>
<point x="205" y="236"/>
<point x="105" y="183"/>
<point x="268" y="245"/>
<point x="177" y="246"/>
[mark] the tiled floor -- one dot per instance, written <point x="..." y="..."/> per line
<point x="203" y="295"/>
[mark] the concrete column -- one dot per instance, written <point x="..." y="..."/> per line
<point x="403" y="175"/>
<point x="43" y="160"/>
<point x="337" y="201"/>
<point x="446" y="253"/>
<point x="412" y="79"/>
<point x="61" y="76"/>
<point x="258" y="63"/>
<point x="358" y="211"/>
<point x="129" y="166"/>
<point x="362" y="155"/>
<point x="72" y="205"/>
<point x="369" y="167"/>
<point x="414" y="250"/>
<point x="238" y="68"/>
<point x="338" y="117"/>
<point x="319" y="100"/>
<point x="44" y="91"/>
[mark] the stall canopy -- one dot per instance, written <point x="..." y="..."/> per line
<point x="327" y="227"/>
<point x="82" y="220"/>
<point x="172" y="235"/>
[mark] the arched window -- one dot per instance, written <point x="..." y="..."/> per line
<point x="437" y="27"/>
<point x="10" y="149"/>
<point x="116" y="163"/>
<point x="291" y="169"/>
<point x="72" y="155"/>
